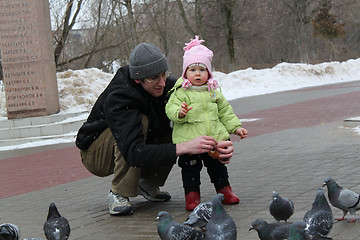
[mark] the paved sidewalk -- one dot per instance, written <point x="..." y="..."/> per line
<point x="297" y="141"/>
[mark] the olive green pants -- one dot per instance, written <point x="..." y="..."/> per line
<point x="104" y="158"/>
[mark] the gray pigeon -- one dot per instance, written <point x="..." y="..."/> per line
<point x="319" y="219"/>
<point x="56" y="227"/>
<point x="281" y="208"/>
<point x="200" y="216"/>
<point x="9" y="231"/>
<point x="220" y="226"/>
<point x="342" y="198"/>
<point x="270" y="231"/>
<point x="297" y="231"/>
<point x="171" y="230"/>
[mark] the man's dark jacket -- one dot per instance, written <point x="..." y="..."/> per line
<point x="120" y="107"/>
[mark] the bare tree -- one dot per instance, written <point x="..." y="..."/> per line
<point x="199" y="17"/>
<point x="188" y="28"/>
<point x="131" y="19"/>
<point x="225" y="34"/>
<point x="103" y="21"/>
<point x="242" y="33"/>
<point x="61" y="34"/>
<point x="158" y="15"/>
<point x="103" y="39"/>
<point x="302" y="12"/>
<point x="227" y="8"/>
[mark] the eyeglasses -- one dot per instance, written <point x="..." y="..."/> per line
<point x="156" y="79"/>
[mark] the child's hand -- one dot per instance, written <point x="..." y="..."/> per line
<point x="242" y="132"/>
<point x="184" y="110"/>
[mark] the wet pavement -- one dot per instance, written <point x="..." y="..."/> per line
<point x="296" y="142"/>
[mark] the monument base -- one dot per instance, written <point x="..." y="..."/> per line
<point x="29" y="113"/>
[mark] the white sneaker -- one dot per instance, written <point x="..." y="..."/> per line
<point x="119" y="205"/>
<point x="152" y="192"/>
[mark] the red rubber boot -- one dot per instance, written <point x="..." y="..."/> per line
<point x="192" y="200"/>
<point x="229" y="195"/>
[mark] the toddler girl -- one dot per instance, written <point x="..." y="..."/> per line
<point x="197" y="107"/>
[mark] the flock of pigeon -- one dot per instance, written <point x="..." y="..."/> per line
<point x="56" y="227"/>
<point x="210" y="217"/>
<point x="317" y="222"/>
<point x="210" y="221"/>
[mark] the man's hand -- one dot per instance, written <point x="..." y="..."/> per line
<point x="226" y="149"/>
<point x="201" y="144"/>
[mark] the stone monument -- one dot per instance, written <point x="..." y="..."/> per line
<point x="29" y="71"/>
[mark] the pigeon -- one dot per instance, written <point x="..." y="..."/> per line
<point x="297" y="231"/>
<point x="342" y="198"/>
<point x="9" y="231"/>
<point x="270" y="231"/>
<point x="171" y="230"/>
<point x="319" y="219"/>
<point x="200" y="216"/>
<point x="281" y="208"/>
<point x="56" y="227"/>
<point x="220" y="226"/>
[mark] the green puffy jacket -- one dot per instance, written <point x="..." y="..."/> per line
<point x="211" y="113"/>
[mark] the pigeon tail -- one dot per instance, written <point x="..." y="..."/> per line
<point x="53" y="212"/>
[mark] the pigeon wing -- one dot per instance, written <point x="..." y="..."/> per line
<point x="200" y="216"/>
<point x="184" y="232"/>
<point x="279" y="231"/>
<point x="221" y="226"/>
<point x="57" y="229"/>
<point x="348" y="199"/>
<point x="320" y="223"/>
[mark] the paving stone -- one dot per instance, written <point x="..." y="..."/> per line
<point x="298" y="142"/>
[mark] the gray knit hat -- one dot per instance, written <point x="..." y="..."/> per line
<point x="146" y="60"/>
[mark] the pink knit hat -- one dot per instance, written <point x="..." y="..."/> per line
<point x="197" y="53"/>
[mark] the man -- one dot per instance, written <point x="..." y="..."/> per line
<point x="128" y="133"/>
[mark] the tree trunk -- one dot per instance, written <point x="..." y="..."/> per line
<point x="132" y="21"/>
<point x="184" y="18"/>
<point x="227" y="7"/>
<point x="67" y="26"/>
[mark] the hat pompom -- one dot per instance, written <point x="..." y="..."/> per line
<point x="193" y="43"/>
